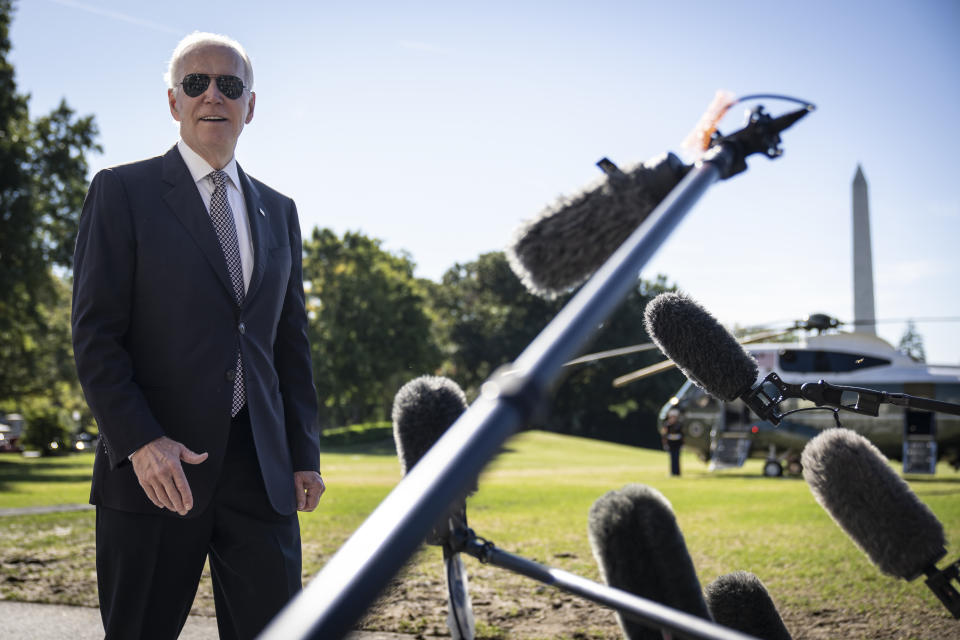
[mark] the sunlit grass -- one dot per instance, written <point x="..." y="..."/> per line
<point x="533" y="500"/>
<point x="32" y="482"/>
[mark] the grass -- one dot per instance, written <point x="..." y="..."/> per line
<point x="32" y="482"/>
<point x="533" y="501"/>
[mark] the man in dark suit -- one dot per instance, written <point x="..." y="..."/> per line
<point x="189" y="333"/>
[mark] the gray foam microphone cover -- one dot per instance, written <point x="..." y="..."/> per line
<point x="423" y="410"/>
<point x="700" y="346"/>
<point x="569" y="240"/>
<point x="855" y="484"/>
<point x="740" y="601"/>
<point x="639" y="548"/>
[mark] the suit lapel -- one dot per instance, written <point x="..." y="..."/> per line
<point x="258" y="217"/>
<point x="185" y="202"/>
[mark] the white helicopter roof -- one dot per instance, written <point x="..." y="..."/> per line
<point x="901" y="368"/>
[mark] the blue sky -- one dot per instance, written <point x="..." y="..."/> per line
<point x="438" y="127"/>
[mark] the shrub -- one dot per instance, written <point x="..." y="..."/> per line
<point x="45" y="429"/>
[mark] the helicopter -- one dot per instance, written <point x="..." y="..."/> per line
<point x="725" y="434"/>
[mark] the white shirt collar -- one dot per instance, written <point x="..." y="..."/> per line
<point x="200" y="168"/>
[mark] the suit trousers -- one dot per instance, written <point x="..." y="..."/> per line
<point x="149" y="565"/>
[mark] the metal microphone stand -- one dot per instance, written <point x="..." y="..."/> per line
<point x="764" y="398"/>
<point x="353" y="578"/>
<point x="639" y="609"/>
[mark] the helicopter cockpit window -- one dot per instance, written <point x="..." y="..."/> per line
<point x="693" y="396"/>
<point x="826" y="361"/>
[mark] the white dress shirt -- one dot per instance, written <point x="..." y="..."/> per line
<point x="200" y="170"/>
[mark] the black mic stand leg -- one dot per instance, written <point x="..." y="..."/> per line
<point x="646" y="612"/>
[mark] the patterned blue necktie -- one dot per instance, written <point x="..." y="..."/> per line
<point x="222" y="217"/>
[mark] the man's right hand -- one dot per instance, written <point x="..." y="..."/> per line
<point x="158" y="468"/>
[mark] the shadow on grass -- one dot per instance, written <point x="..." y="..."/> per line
<point x="12" y="472"/>
<point x="936" y="478"/>
<point x="384" y="447"/>
<point x="911" y="479"/>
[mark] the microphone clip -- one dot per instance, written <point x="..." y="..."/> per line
<point x="760" y="135"/>
<point x="765" y="398"/>
<point x="939" y="582"/>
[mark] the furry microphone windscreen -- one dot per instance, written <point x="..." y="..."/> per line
<point x="568" y="241"/>
<point x="853" y="481"/>
<point x="423" y="410"/>
<point x="639" y="548"/>
<point x="740" y="601"/>
<point x="703" y="350"/>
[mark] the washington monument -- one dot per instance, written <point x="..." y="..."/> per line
<point x="864" y="313"/>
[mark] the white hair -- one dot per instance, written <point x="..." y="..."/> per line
<point x="199" y="39"/>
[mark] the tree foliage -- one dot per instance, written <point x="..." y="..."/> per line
<point x="43" y="177"/>
<point x="911" y="343"/>
<point x="372" y="324"/>
<point x="369" y="328"/>
<point x="486" y="318"/>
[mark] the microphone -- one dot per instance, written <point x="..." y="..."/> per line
<point x="702" y="349"/>
<point x="639" y="549"/>
<point x="423" y="410"/>
<point x="717" y="363"/>
<point x="569" y="240"/>
<point x="740" y="601"/>
<point x="876" y="508"/>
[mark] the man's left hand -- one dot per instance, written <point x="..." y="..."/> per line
<point x="309" y="487"/>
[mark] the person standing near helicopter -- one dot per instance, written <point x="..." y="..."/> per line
<point x="671" y="435"/>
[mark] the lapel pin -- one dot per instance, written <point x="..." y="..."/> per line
<point x="262" y="212"/>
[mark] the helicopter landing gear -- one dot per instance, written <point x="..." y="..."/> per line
<point x="774" y="464"/>
<point x="772" y="469"/>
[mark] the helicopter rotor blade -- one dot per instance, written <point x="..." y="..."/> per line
<point x="760" y="337"/>
<point x="666" y="365"/>
<point x="612" y="353"/>
<point x="646" y="372"/>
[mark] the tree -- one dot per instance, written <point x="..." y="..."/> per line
<point x="912" y="343"/>
<point x="43" y="177"/>
<point x="486" y="318"/>
<point x="369" y="327"/>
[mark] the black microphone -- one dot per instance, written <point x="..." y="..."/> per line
<point x="639" y="549"/>
<point x="713" y="360"/>
<point x="568" y="241"/>
<point x="740" y="601"/>
<point x="702" y="349"/>
<point x="423" y="410"/>
<point x="900" y="535"/>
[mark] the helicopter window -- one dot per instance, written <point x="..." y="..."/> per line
<point x="695" y="396"/>
<point x="826" y="361"/>
<point x="948" y="392"/>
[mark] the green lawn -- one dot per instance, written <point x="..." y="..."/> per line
<point x="533" y="500"/>
<point x="32" y="482"/>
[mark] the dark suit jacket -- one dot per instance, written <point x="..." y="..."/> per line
<point x="156" y="330"/>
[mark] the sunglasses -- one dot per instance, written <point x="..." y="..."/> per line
<point x="194" y="84"/>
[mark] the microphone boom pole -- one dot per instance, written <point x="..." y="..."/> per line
<point x="353" y="578"/>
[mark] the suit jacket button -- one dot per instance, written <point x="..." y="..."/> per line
<point x="242" y="328"/>
<point x="231" y="374"/>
